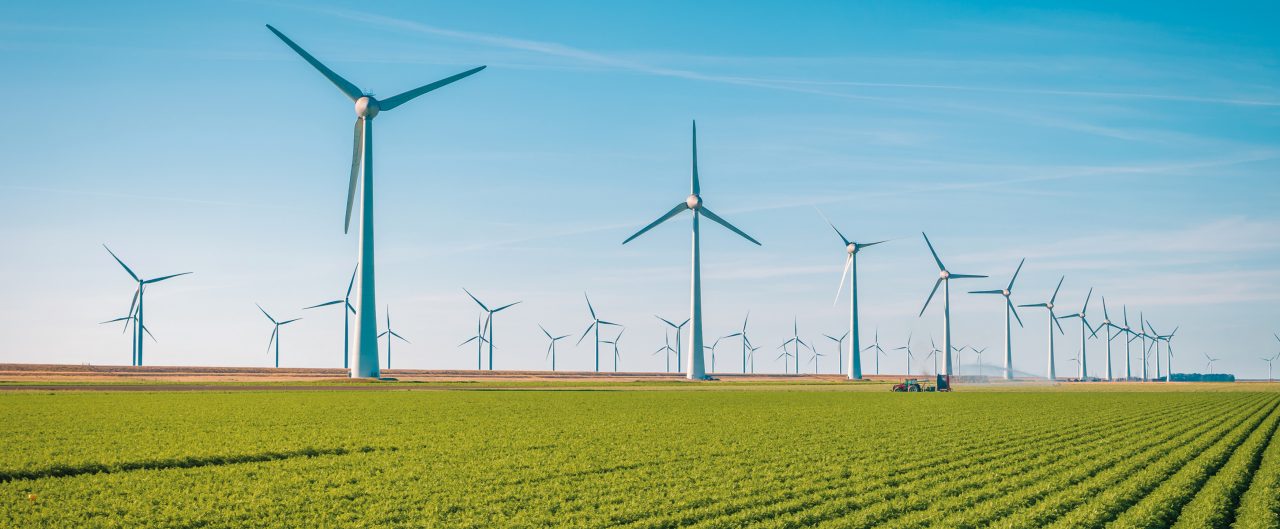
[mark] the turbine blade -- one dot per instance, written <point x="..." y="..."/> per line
<point x="725" y="223"/>
<point x="1015" y="274"/>
<point x="965" y="276"/>
<point x="352" y="284"/>
<point x="134" y="303"/>
<point x="864" y="245"/>
<point x="1015" y="312"/>
<point x="986" y="292"/>
<point x="1056" y="322"/>
<point x="478" y="302"/>
<point x="584" y="333"/>
<point x="1086" y="302"/>
<point x="393" y="333"/>
<point x="1056" y="289"/>
<point x="264" y="313"/>
<point x="325" y="304"/>
<point x="509" y="305"/>
<point x="469" y="340"/>
<point x="1042" y="305"/>
<point x="273" y="338"/>
<point x="544" y="330"/>
<point x="936" y="284"/>
<point x="345" y="86"/>
<point x="695" y="188"/>
<point x="159" y="279"/>
<point x="405" y="97"/>
<point x="148" y="331"/>
<point x="848" y="262"/>
<point x="126" y="267"/>
<point x="935" y="254"/>
<point x="289" y="321"/>
<point x="357" y="156"/>
<point x="664" y="320"/>
<point x="350" y="308"/>
<point x="674" y="211"/>
<point x="589" y="307"/>
<point x="833" y="226"/>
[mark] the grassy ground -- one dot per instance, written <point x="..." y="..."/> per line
<point x="743" y="454"/>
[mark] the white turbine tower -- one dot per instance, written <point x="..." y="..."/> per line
<point x="1269" y="361"/>
<point x="346" y="319"/>
<point x="1008" y="324"/>
<point x="596" y="322"/>
<point x="139" y="327"/>
<point x="1109" y="326"/>
<point x="944" y="279"/>
<point x="551" y="345"/>
<point x="367" y="107"/>
<point x="1051" y="373"/>
<point x="275" y="332"/>
<point x="854" y="368"/>
<point x="389" y="333"/>
<point x="694" y="369"/>
<point x="878" y="351"/>
<point x="1085" y="329"/>
<point x="840" y="349"/>
<point x="489" y="320"/>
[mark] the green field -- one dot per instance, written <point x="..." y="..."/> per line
<point x="741" y="457"/>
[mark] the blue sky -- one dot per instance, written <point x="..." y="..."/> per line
<point x="1133" y="149"/>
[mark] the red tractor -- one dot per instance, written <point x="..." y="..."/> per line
<point x="912" y="385"/>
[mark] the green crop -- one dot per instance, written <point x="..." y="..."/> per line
<point x="651" y="458"/>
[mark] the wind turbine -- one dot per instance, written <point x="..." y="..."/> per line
<point x="1008" y="325"/>
<point x="982" y="373"/>
<point x="1053" y="320"/>
<point x="127" y="320"/>
<point x="1168" y="350"/>
<point x="746" y="342"/>
<point x="1109" y="325"/>
<point x="693" y="203"/>
<point x="480" y="340"/>
<point x="135" y="306"/>
<point x="346" y="319"/>
<point x="1269" y="361"/>
<point x="751" y="356"/>
<point x="595" y="325"/>
<point x="1155" y="344"/>
<point x="1085" y="329"/>
<point x="275" y="332"/>
<point x="1209" y="365"/>
<point x="489" y="320"/>
<point x="713" y="347"/>
<point x="677" y="328"/>
<point x="390" y="334"/>
<point x="795" y="342"/>
<point x="840" y="349"/>
<point x="813" y="359"/>
<point x="614" y="343"/>
<point x="1128" y="366"/>
<point x="933" y="353"/>
<point x="854" y="369"/>
<point x="878" y="351"/>
<point x="367" y="107"/>
<point x="786" y="358"/>
<point x="551" y="345"/>
<point x="907" y="348"/>
<point x="666" y="348"/>
<point x="944" y="278"/>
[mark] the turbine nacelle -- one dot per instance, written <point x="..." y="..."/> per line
<point x="1006" y="293"/>
<point x="1048" y="306"/>
<point x="694" y="201"/>
<point x="367" y="107"/>
<point x="944" y="274"/>
<point x="852" y="248"/>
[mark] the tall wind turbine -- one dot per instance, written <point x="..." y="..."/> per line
<point x="678" y="329"/>
<point x="389" y="333"/>
<point x="751" y="357"/>
<point x="135" y="306"/>
<point x="489" y="320"/>
<point x="616" y="353"/>
<point x="878" y="351"/>
<point x="944" y="279"/>
<point x="1085" y="329"/>
<point x="1155" y="344"/>
<point x="130" y="319"/>
<point x="275" y="332"/>
<point x="1109" y="326"/>
<point x="795" y="342"/>
<point x="1128" y="364"/>
<point x="1008" y="325"/>
<point x="854" y="369"/>
<point x="367" y="107"/>
<point x="346" y="319"/>
<point x="840" y="349"/>
<point x="551" y="345"/>
<point x="596" y="322"/>
<point x="1168" y="350"/>
<point x="1053" y="320"/>
<point x="694" y="369"/>
<point x="1209" y="365"/>
<point x="907" y="348"/>
<point x="480" y="340"/>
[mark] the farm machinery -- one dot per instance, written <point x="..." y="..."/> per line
<point x="912" y="385"/>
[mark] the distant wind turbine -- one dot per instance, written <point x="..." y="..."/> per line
<point x="907" y="349"/>
<point x="346" y="319"/>
<point x="746" y="342"/>
<point x="751" y="357"/>
<point x="490" y="325"/>
<point x="981" y="369"/>
<point x="1053" y="320"/>
<point x="596" y="322"/>
<point x="813" y="359"/>
<point x="933" y="353"/>
<point x="795" y="342"/>
<point x="1209" y="365"/>
<point x="275" y="332"/>
<point x="878" y="350"/>
<point x="1109" y="326"/>
<point x="551" y="345"/>
<point x="666" y="348"/>
<point x="944" y="280"/>
<point x="1269" y="362"/>
<point x="135" y="306"/>
<point x="1168" y="350"/>
<point x="1008" y="324"/>
<point x="1085" y="329"/>
<point x="854" y="369"/>
<point x="695" y="370"/>
<point x="840" y="350"/>
<point x="678" y="329"/>
<point x="367" y="107"/>
<point x="786" y="359"/>
<point x="616" y="353"/>
<point x="1155" y="344"/>
<point x="480" y="340"/>
<point x="389" y="333"/>
<point x="130" y="319"/>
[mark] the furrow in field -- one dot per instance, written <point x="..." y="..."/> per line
<point x="1260" y="504"/>
<point x="1215" y="505"/>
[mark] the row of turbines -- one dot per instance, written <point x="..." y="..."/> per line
<point x="361" y="350"/>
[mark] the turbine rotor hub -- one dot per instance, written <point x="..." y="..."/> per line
<point x="694" y="201"/>
<point x="1006" y="293"/>
<point x="1049" y="306"/>
<point x="852" y="248"/>
<point x="944" y="274"/>
<point x="367" y="107"/>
